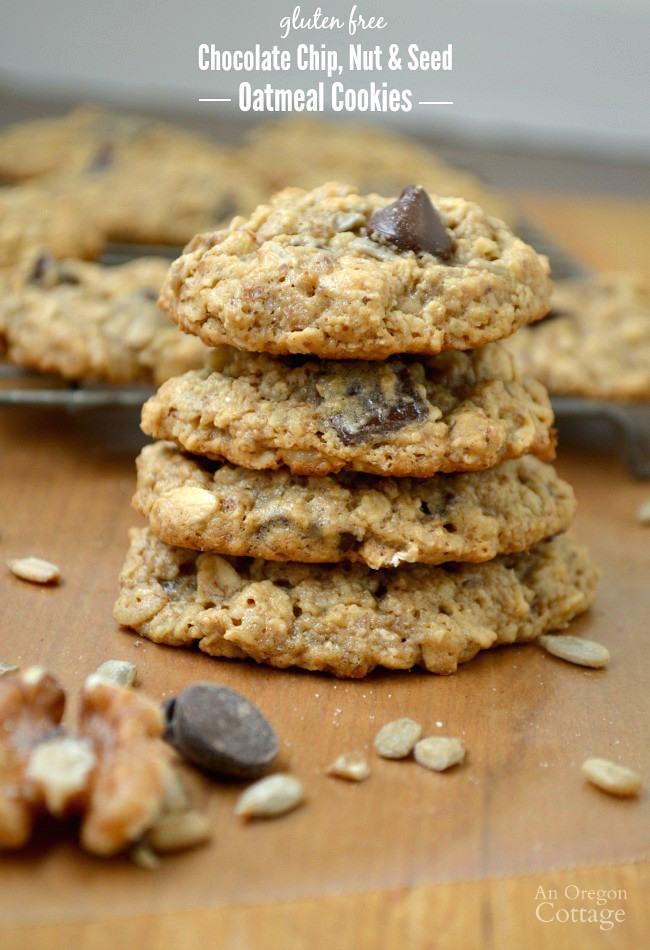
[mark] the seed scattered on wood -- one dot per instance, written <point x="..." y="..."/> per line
<point x="352" y="766"/>
<point x="120" y="672"/>
<point x="643" y="513"/>
<point x="439" y="752"/>
<point x="612" y="777"/>
<point x="179" y="831"/>
<point x="144" y="856"/>
<point x="176" y="798"/>
<point x="35" y="569"/>
<point x="271" y="796"/>
<point x="396" y="739"/>
<point x="7" y="668"/>
<point x="575" y="650"/>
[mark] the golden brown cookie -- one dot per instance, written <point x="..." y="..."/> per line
<point x="458" y="411"/>
<point x="347" y="619"/>
<point x="308" y="273"/>
<point x="595" y="342"/>
<point x="91" y="322"/>
<point x="194" y="503"/>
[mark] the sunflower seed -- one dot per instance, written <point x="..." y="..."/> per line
<point x="179" y="831"/>
<point x="396" y="739"/>
<point x="643" y="513"/>
<point x="34" y="569"/>
<point x="575" y="650"/>
<point x="611" y="777"/>
<point x="439" y="752"/>
<point x="271" y="796"/>
<point x="353" y="767"/>
<point x="144" y="857"/>
<point x="120" y="672"/>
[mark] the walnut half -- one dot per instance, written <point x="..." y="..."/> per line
<point x="115" y="772"/>
<point x="31" y="709"/>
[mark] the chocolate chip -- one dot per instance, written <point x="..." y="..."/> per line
<point x="102" y="160"/>
<point x="411" y="224"/>
<point x="41" y="265"/>
<point x="150" y="293"/>
<point x="225" y="209"/>
<point x="220" y="731"/>
<point x="48" y="271"/>
<point x="372" y="412"/>
<point x="169" y="713"/>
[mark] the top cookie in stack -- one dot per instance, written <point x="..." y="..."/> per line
<point x="338" y="275"/>
<point x="377" y="322"/>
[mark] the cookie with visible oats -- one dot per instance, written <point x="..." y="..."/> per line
<point x="212" y="506"/>
<point x="348" y="619"/>
<point x="403" y="416"/>
<point x="595" y="342"/>
<point x="141" y="179"/>
<point x="31" y="218"/>
<point x="90" y="322"/>
<point x="310" y="273"/>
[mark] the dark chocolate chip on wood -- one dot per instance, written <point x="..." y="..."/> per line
<point x="169" y="713"/>
<point x="220" y="731"/>
<point x="411" y="224"/>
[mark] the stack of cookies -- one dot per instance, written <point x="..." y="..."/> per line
<point x="360" y="476"/>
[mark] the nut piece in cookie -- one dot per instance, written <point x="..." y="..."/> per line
<point x="209" y="506"/>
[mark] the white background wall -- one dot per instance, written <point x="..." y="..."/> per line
<point x="573" y="73"/>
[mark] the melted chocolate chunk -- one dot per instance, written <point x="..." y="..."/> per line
<point x="411" y="224"/>
<point x="371" y="414"/>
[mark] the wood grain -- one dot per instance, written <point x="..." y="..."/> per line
<point x="408" y="859"/>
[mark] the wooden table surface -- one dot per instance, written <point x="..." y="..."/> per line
<point x="498" y="854"/>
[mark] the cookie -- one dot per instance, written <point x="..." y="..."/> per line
<point x="348" y="619"/>
<point x="304" y="275"/>
<point x="31" y="218"/>
<point x="216" y="507"/>
<point x="595" y="342"/>
<point x="305" y="152"/>
<point x="166" y="201"/>
<point x="90" y="138"/>
<point x="452" y="412"/>
<point x="90" y="322"/>
<point x="141" y="179"/>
